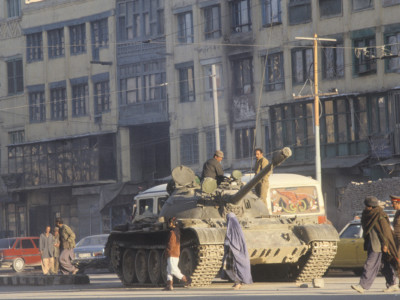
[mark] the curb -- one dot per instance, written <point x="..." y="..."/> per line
<point x="42" y="280"/>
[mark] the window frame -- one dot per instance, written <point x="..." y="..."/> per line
<point x="212" y="30"/>
<point x="186" y="80"/>
<point x="337" y="49"/>
<point x="37" y="107"/>
<point x="292" y="5"/>
<point x="185" y="33"/>
<point x="394" y="48"/>
<point x="13" y="8"/>
<point x="99" y="33"/>
<point x="56" y="43"/>
<point x="102" y="99"/>
<point x="80" y="99"/>
<point x="330" y="15"/>
<point x="372" y="5"/>
<point x="305" y="66"/>
<point x="371" y="64"/>
<point x="34" y="47"/>
<point x="268" y="18"/>
<point x="237" y="13"/>
<point x="239" y="80"/>
<point x="77" y="34"/>
<point x="274" y="86"/>
<point x="16" y="79"/>
<point x="58" y="104"/>
<point x="208" y="88"/>
<point x="191" y="145"/>
<point x="241" y="142"/>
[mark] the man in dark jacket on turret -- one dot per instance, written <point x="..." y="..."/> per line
<point x="213" y="168"/>
<point x="380" y="245"/>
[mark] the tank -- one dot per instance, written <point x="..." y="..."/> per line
<point x="287" y="235"/>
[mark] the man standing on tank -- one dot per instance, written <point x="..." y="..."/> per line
<point x="213" y="168"/>
<point x="262" y="186"/>
<point x="380" y="246"/>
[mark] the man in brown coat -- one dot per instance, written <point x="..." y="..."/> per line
<point x="261" y="187"/>
<point x="67" y="239"/>
<point x="173" y="252"/>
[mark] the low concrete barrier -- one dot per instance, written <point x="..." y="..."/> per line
<point x="43" y="279"/>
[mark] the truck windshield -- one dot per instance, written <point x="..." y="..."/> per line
<point x="294" y="200"/>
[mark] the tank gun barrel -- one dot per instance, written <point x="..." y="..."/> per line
<point x="278" y="157"/>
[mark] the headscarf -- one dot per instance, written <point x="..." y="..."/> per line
<point x="235" y="241"/>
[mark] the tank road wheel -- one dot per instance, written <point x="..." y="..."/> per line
<point x="187" y="261"/>
<point x="128" y="267"/>
<point x="154" y="266"/>
<point x="164" y="267"/>
<point x="141" y="266"/>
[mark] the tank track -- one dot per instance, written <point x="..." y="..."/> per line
<point x="321" y="255"/>
<point x="209" y="259"/>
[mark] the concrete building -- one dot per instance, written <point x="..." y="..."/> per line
<point x="263" y="74"/>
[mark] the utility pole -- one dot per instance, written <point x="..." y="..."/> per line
<point x="316" y="104"/>
<point x="215" y="100"/>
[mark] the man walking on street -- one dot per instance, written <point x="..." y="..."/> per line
<point x="67" y="239"/>
<point x="261" y="187"/>
<point x="173" y="252"/>
<point x="380" y="246"/>
<point x="46" y="247"/>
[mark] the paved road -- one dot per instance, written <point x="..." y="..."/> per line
<point x="108" y="286"/>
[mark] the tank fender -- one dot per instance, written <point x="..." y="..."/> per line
<point x="209" y="236"/>
<point x="316" y="232"/>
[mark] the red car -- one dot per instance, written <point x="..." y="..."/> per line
<point x="19" y="252"/>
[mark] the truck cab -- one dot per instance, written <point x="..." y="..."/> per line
<point x="149" y="202"/>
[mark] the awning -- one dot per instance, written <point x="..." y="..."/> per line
<point x="342" y="161"/>
<point x="389" y="162"/>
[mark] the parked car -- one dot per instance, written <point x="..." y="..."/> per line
<point x="89" y="252"/>
<point x="350" y="253"/>
<point x="18" y="252"/>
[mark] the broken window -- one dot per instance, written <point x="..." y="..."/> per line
<point x="58" y="103"/>
<point x="333" y="61"/>
<point x="210" y="142"/>
<point x="299" y="11"/>
<point x="189" y="149"/>
<point x="365" y="56"/>
<point x="393" y="48"/>
<point x="274" y="73"/>
<point x="241" y="16"/>
<point x="186" y="84"/>
<point x="208" y="87"/>
<point x="244" y="139"/>
<point x="243" y="75"/>
<point x="330" y="8"/>
<point x="212" y="20"/>
<point x="302" y="65"/>
<point x="271" y="12"/>
<point x="185" y="28"/>
<point x="37" y="107"/>
<point x="362" y="4"/>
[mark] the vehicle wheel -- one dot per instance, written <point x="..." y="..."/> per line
<point x="141" y="266"/>
<point x="187" y="261"/>
<point x="154" y="266"/>
<point x="128" y="267"/>
<point x="18" y="265"/>
<point x="164" y="267"/>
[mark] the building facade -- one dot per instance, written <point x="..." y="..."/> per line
<point x="265" y="79"/>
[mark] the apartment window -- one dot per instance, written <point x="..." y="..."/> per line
<point x="77" y="35"/>
<point x="34" y="47"/>
<point x="58" y="103"/>
<point x="13" y="8"/>
<point x="15" y="76"/>
<point x="299" y="11"/>
<point x="185" y="28"/>
<point x="37" y="107"/>
<point x="153" y="79"/>
<point x="302" y="65"/>
<point x="208" y="87"/>
<point x="243" y="75"/>
<point x="241" y="16"/>
<point x="55" y="41"/>
<point x="330" y="8"/>
<point x="393" y="48"/>
<point x="212" y="22"/>
<point x="186" y="84"/>
<point x="189" y="149"/>
<point x="16" y="137"/>
<point x="210" y="142"/>
<point x="271" y="12"/>
<point x="156" y="18"/>
<point x="101" y="97"/>
<point x="274" y="72"/>
<point x="244" y="139"/>
<point x="362" y="4"/>
<point x="365" y="52"/>
<point x="99" y="36"/>
<point x="80" y="98"/>
<point x="333" y="61"/>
